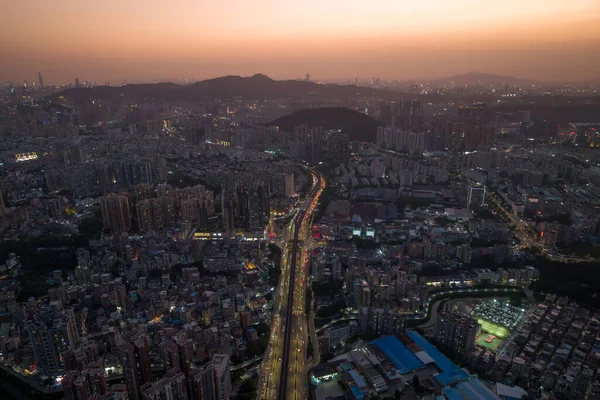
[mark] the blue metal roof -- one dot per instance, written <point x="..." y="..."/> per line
<point x="360" y="382"/>
<point x="451" y="377"/>
<point x="474" y="389"/>
<point x="357" y="393"/>
<point x="452" y="393"/>
<point x="404" y="359"/>
<point x="451" y="373"/>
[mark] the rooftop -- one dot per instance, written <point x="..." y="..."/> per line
<point x="451" y="373"/>
<point x="404" y="359"/>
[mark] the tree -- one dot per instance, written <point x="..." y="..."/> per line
<point x="247" y="390"/>
<point x="327" y="288"/>
<point x="263" y="342"/>
<point x="332" y="309"/>
<point x="92" y="226"/>
<point x="252" y="349"/>
<point x="275" y="251"/>
<point x="274" y="270"/>
<point x="308" y="301"/>
<point x="485" y="214"/>
<point x="262" y="329"/>
<point x="415" y="381"/>
<point x="327" y="356"/>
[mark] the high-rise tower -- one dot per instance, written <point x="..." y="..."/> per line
<point x="50" y="335"/>
<point x="115" y="212"/>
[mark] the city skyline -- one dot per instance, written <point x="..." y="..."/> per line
<point x="432" y="39"/>
<point x="289" y="201"/>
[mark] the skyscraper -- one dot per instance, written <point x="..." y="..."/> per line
<point x="85" y="384"/>
<point x="311" y="139"/>
<point x="365" y="296"/>
<point x="308" y="77"/>
<point x="115" y="212"/>
<point x="170" y="387"/>
<point x="41" y="80"/>
<point x="184" y="349"/>
<point x="242" y="217"/>
<point x="194" y="210"/>
<point x="204" y="384"/>
<point x="478" y="137"/>
<point x="142" y="192"/>
<point x="145" y="219"/>
<point x="51" y="335"/>
<point x="137" y="368"/>
<point x="77" y="82"/>
<point x="258" y="206"/>
<point x="75" y="387"/>
<point x="213" y="381"/>
<point x="401" y="140"/>
<point x="337" y="147"/>
<point x="472" y="113"/>
<point x="169" y="355"/>
<point x="96" y="377"/>
<point x="220" y="363"/>
<point x="228" y="207"/>
<point x="130" y="371"/>
<point x="288" y="183"/>
<point x="456" y="332"/>
<point x="83" y="257"/>
<point x="142" y="353"/>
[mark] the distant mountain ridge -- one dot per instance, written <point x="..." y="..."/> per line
<point x="261" y="87"/>
<point x="258" y="86"/>
<point x="358" y="126"/>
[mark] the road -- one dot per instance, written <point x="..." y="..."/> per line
<point x="433" y="301"/>
<point x="285" y="355"/>
<point x="528" y="237"/>
<point x="448" y="306"/>
<point x="294" y="375"/>
<point x="245" y="364"/>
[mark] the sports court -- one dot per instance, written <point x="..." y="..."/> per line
<point x="488" y="341"/>
<point x="494" y="329"/>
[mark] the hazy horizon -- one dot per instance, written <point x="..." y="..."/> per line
<point x="146" y="41"/>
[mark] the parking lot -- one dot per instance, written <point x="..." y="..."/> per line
<point x="498" y="312"/>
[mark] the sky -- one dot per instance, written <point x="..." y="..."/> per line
<point x="150" y="40"/>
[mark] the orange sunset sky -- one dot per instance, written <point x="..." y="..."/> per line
<point x="146" y="40"/>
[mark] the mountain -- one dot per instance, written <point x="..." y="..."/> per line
<point x="477" y="78"/>
<point x="358" y="126"/>
<point x="258" y="86"/>
<point x="261" y="87"/>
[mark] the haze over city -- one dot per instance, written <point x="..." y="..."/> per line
<point x="139" y="41"/>
<point x="309" y="200"/>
